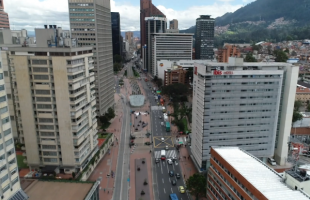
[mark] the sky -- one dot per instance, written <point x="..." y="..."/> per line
<point x="31" y="14"/>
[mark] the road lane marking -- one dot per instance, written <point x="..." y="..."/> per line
<point x="171" y="190"/>
<point x="161" y="168"/>
<point x="164" y="191"/>
<point x="163" y="180"/>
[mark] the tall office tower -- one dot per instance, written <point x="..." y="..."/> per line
<point x="116" y="34"/>
<point x="249" y="105"/>
<point x="174" y="24"/>
<point x="9" y="185"/>
<point x="236" y="174"/>
<point x="4" y="17"/>
<point x="152" y="25"/>
<point x="129" y="37"/>
<point x="204" y="37"/>
<point x="53" y="91"/>
<point x="169" y="46"/>
<point x="147" y="9"/>
<point x="90" y="22"/>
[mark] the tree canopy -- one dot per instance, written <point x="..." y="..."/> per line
<point x="249" y="58"/>
<point x="117" y="59"/>
<point x="280" y="56"/>
<point x="296" y="117"/>
<point x="176" y="89"/>
<point x="197" y="185"/>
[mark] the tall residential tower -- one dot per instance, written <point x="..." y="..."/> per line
<point x="90" y="22"/>
<point x="4" y="18"/>
<point x="204" y="37"/>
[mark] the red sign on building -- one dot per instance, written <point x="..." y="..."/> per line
<point x="195" y="70"/>
<point x="218" y="72"/>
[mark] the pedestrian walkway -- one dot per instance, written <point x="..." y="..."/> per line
<point x="169" y="154"/>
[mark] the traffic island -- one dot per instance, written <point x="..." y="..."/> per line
<point x="141" y="180"/>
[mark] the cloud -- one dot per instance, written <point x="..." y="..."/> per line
<point x="31" y="14"/>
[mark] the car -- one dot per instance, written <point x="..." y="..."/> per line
<point x="173" y="182"/>
<point x="178" y="175"/>
<point x="171" y="173"/>
<point x="167" y="147"/>
<point x="157" y="160"/>
<point x="272" y="161"/>
<point x="159" y="117"/>
<point x="162" y="139"/>
<point x="181" y="189"/>
<point x="169" y="161"/>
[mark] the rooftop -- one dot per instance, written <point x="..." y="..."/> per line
<point x="50" y="190"/>
<point x="302" y="89"/>
<point x="262" y="177"/>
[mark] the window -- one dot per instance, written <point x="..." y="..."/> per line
<point x="16" y="179"/>
<point x="6" y="188"/>
<point x="1" y="76"/>
<point x="40" y="69"/>
<point x="3" y="110"/>
<point x="6" y="74"/>
<point x="48" y="127"/>
<point x="5" y="120"/>
<point x="48" y="146"/>
<point x="47" y="133"/>
<point x="44" y="99"/>
<point x="46" y="120"/>
<point x="1" y="87"/>
<point x="54" y="160"/>
<point x="2" y="99"/>
<point x="6" y="132"/>
<point x="41" y="77"/>
<point x="10" y="141"/>
<point x="4" y="178"/>
<point x="49" y="153"/>
<point x="44" y="106"/>
<point x="39" y="62"/>
<point x="43" y="92"/>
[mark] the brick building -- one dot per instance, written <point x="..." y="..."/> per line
<point x="176" y="75"/>
<point x="226" y="52"/>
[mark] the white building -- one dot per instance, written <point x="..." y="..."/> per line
<point x="299" y="179"/>
<point x="249" y="105"/>
<point x="170" y="46"/>
<point x="126" y="46"/>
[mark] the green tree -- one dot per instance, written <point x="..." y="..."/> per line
<point x="288" y="38"/>
<point x="287" y="51"/>
<point x="155" y="78"/>
<point x="117" y="67"/>
<point x="293" y="53"/>
<point x="159" y="82"/>
<point x="297" y="105"/>
<point x="117" y="59"/>
<point x="197" y="185"/>
<point x="296" y="117"/>
<point x="110" y="114"/>
<point x="280" y="56"/>
<point x="249" y="58"/>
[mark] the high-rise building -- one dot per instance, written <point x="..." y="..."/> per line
<point x="147" y="9"/>
<point x="116" y="34"/>
<point x="53" y="92"/>
<point x="236" y="174"/>
<point x="170" y="46"/>
<point x="4" y="17"/>
<point x="249" y="105"/>
<point x="174" y="24"/>
<point x="152" y="25"/>
<point x="129" y="37"/>
<point x="228" y="51"/>
<point x="204" y="37"/>
<point x="9" y="184"/>
<point x="90" y="23"/>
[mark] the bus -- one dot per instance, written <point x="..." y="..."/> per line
<point x="173" y="197"/>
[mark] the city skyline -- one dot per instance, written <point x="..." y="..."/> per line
<point x="33" y="14"/>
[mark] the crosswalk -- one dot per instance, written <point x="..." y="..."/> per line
<point x="156" y="108"/>
<point x="169" y="154"/>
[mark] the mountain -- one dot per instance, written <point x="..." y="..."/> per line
<point x="135" y="33"/>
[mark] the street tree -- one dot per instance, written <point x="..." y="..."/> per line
<point x="297" y="105"/>
<point x="280" y="56"/>
<point x="117" y="59"/>
<point x="117" y="67"/>
<point x="249" y="58"/>
<point x="197" y="185"/>
<point x="296" y="117"/>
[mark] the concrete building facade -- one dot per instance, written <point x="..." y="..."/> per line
<point x="236" y="174"/>
<point x="204" y="42"/>
<point x="169" y="46"/>
<point x="175" y="75"/>
<point x="174" y="24"/>
<point x="90" y="22"/>
<point x="249" y="105"/>
<point x="129" y="37"/>
<point x="4" y="17"/>
<point x="9" y="180"/>
<point x="53" y="96"/>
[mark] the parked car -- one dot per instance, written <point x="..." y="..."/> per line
<point x="171" y="173"/>
<point x="167" y="147"/>
<point x="162" y="139"/>
<point x="178" y="175"/>
<point x="272" y="161"/>
<point x="181" y="189"/>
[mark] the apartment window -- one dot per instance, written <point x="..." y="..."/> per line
<point x="48" y="127"/>
<point x="49" y="153"/>
<point x="48" y="146"/>
<point x="40" y="69"/>
<point x="2" y="168"/>
<point x="41" y="77"/>
<point x="44" y="106"/>
<point x="9" y="96"/>
<point x="3" y="110"/>
<point x="1" y="146"/>
<point x="46" y="120"/>
<point x="1" y="76"/>
<point x="4" y="178"/>
<point x="5" y="120"/>
<point x="6" y="188"/>
<point x="7" y="132"/>
<point x="39" y="62"/>
<point x="47" y="134"/>
<point x="16" y="179"/>
<point x="2" y="99"/>
<point x="10" y="141"/>
<point x="44" y="99"/>
<point x="1" y="87"/>
<point x="54" y="160"/>
<point x="43" y="92"/>
<point x="6" y="74"/>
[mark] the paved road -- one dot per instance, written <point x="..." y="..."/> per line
<point x="163" y="188"/>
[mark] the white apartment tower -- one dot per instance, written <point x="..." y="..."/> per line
<point x="249" y="105"/>
<point x="90" y="22"/>
<point x="9" y="180"/>
<point x="53" y="94"/>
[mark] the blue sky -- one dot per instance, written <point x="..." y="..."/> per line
<point x="30" y="14"/>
